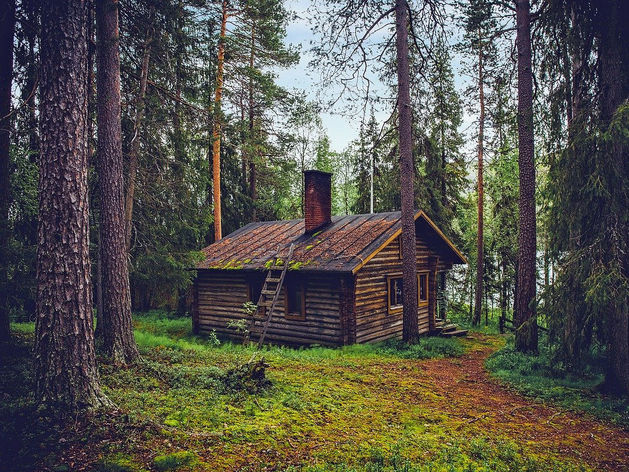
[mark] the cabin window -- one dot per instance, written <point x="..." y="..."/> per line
<point x="254" y="289"/>
<point x="422" y="288"/>
<point x="294" y="300"/>
<point x="396" y="294"/>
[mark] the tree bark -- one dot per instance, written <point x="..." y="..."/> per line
<point x="216" y="129"/>
<point x="7" y="31"/>
<point x="614" y="90"/>
<point x="134" y="148"/>
<point x="478" y="299"/>
<point x="503" y="294"/>
<point x="410" y="331"/>
<point x="117" y="327"/>
<point x="525" y="316"/>
<point x="66" y="373"/>
<point x="252" y="162"/>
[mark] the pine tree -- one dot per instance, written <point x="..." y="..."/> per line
<point x="410" y="332"/>
<point x="66" y="371"/>
<point x="525" y="318"/>
<point x="7" y="29"/>
<point x="216" y="129"/>
<point x="478" y="25"/>
<point x="117" y="328"/>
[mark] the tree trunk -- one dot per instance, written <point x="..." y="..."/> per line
<point x="478" y="301"/>
<point x="614" y="89"/>
<point x="252" y="162"/>
<point x="178" y="134"/>
<point x="525" y="316"/>
<point x="503" y="295"/>
<point x="7" y="31"/>
<point x="216" y="129"/>
<point x="30" y="11"/>
<point x="66" y="373"/>
<point x="409" y="264"/>
<point x="471" y="307"/>
<point x="117" y="327"/>
<point x="442" y="288"/>
<point x="134" y="148"/>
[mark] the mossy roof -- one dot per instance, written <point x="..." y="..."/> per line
<point x="344" y="245"/>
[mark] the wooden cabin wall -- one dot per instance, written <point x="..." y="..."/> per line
<point x="221" y="295"/>
<point x="373" y="322"/>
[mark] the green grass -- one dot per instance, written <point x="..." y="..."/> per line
<point x="355" y="408"/>
<point x="482" y="455"/>
<point x="487" y="325"/>
<point x="174" y="461"/>
<point x="23" y="328"/>
<point x="539" y="377"/>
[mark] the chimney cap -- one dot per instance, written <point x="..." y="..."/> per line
<point x="316" y="171"/>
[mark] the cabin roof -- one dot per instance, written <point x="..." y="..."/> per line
<point x="344" y="245"/>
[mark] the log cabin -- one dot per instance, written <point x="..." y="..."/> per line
<point x="342" y="284"/>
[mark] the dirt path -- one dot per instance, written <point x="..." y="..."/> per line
<point x="466" y="392"/>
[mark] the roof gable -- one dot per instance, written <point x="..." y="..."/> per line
<point x="345" y="245"/>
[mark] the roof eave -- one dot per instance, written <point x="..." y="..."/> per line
<point x="398" y="231"/>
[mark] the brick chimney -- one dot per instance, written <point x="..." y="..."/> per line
<point x="318" y="199"/>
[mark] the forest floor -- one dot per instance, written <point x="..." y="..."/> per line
<point x="373" y="408"/>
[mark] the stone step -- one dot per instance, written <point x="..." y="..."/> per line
<point x="457" y="333"/>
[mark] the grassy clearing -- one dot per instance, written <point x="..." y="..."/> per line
<point x="357" y="408"/>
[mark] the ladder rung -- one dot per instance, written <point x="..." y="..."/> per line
<point x="268" y="292"/>
<point x="273" y="279"/>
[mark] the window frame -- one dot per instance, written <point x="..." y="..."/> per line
<point x="301" y="287"/>
<point x="420" y="302"/>
<point x="393" y="308"/>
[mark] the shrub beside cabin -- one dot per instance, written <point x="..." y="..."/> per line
<point x="344" y="281"/>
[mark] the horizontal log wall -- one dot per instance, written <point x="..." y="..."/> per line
<point x="221" y="295"/>
<point x="373" y="321"/>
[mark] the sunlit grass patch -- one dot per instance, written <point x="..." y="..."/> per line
<point x="23" y="328"/>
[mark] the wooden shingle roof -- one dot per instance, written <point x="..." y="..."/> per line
<point x="344" y="245"/>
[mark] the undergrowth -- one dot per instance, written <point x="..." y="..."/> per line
<point x="540" y="377"/>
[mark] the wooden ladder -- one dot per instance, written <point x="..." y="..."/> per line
<point x="271" y="292"/>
